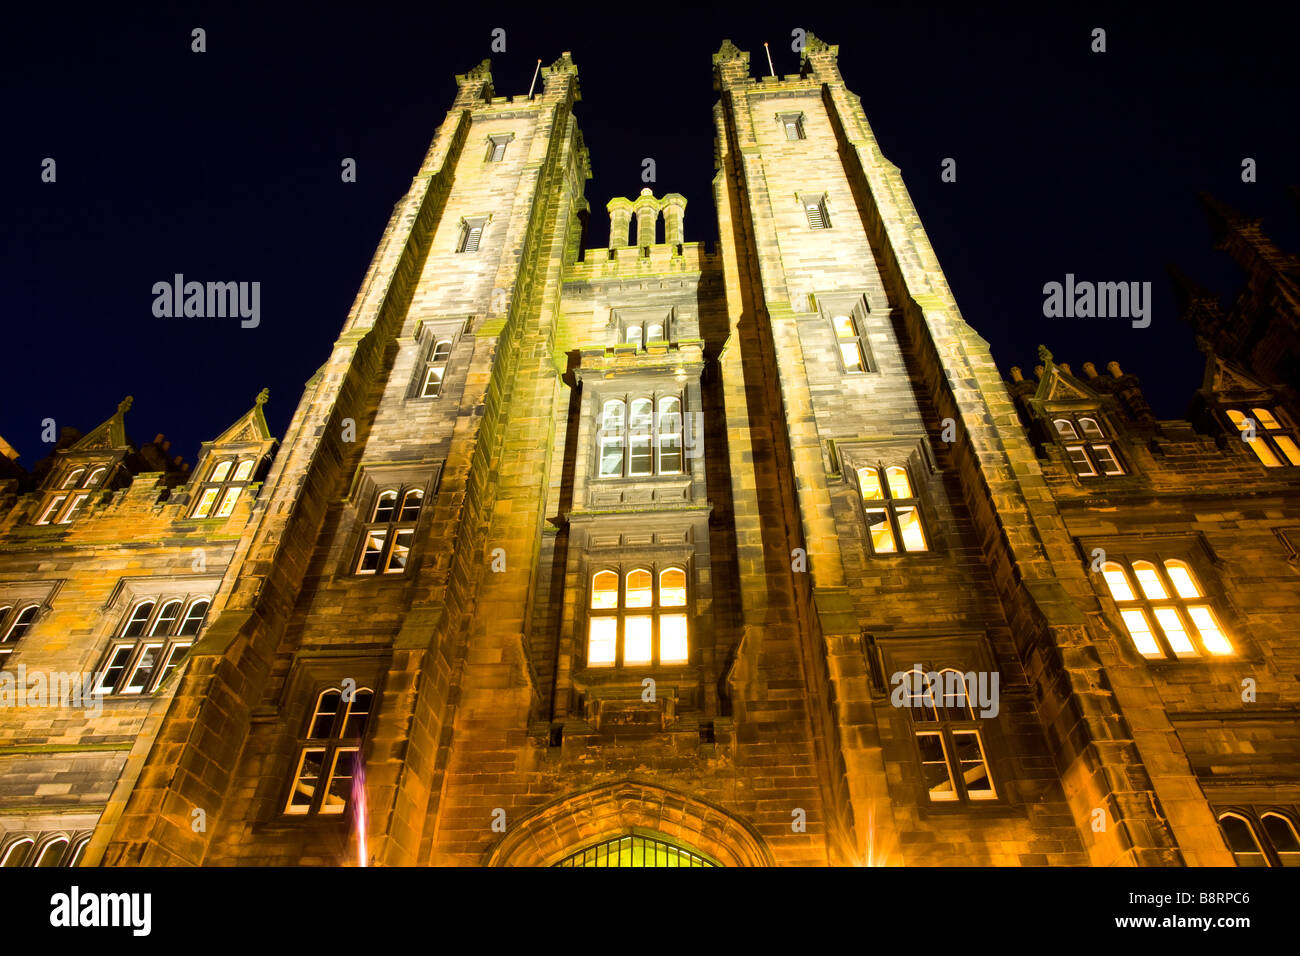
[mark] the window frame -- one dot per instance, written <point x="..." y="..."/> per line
<point x="1086" y="445"/>
<point x="656" y="611"/>
<point x="390" y="530"/>
<point x="1253" y="818"/>
<point x="470" y="238"/>
<point x="126" y="653"/>
<point x="816" y="202"/>
<point x="498" y="145"/>
<point x="1126" y="561"/>
<point x="947" y="728"/>
<point x="890" y="506"/>
<point x="793" y="120"/>
<point x="211" y="494"/>
<point x="625" y="437"/>
<point x="1266" y="439"/>
<point x="11" y="618"/>
<point x="329" y="746"/>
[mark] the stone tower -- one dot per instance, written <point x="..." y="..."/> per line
<point x="649" y="554"/>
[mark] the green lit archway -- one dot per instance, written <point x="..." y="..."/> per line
<point x="564" y="831"/>
<point x="638" y="848"/>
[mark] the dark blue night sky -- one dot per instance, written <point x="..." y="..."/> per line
<point x="225" y="166"/>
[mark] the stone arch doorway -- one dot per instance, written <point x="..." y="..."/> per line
<point x="604" y="815"/>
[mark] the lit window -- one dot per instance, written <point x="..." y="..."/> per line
<point x="1269" y="435"/>
<point x="73" y="477"/>
<point x="630" y="627"/>
<point x="1167" y="615"/>
<point x="151" y="643"/>
<point x="948" y="734"/>
<point x="387" y="538"/>
<point x="435" y="369"/>
<point x="892" y="511"/>
<point x="1281" y="832"/>
<point x="15" y="624"/>
<point x="848" y="336"/>
<point x="52" y="853"/>
<point x="220" y="491"/>
<point x="51" y="509"/>
<point x="330" y="752"/>
<point x="16" y="853"/>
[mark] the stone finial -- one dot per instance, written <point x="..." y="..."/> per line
<point x="124" y="405"/>
<point x="620" y="221"/>
<point x="262" y="397"/>
<point x="1114" y="369"/>
<point x="1064" y="367"/>
<point x="1039" y="371"/>
<point x="1044" y="355"/>
<point x="1089" y="370"/>
<point x="647" y="218"/>
<point x="1016" y="374"/>
<point x="673" y="207"/>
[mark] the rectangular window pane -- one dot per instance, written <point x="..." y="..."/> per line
<point x="636" y="640"/>
<point x="973" y="764"/>
<point x="113" y="669"/>
<point x="1211" y="636"/>
<point x="672" y="639"/>
<point x="851" y="353"/>
<point x="305" y="780"/>
<point x="228" y="502"/>
<point x="54" y="506"/>
<point x="611" y="457"/>
<point x="882" y="533"/>
<point x="1288" y="448"/>
<point x="401" y="552"/>
<point x="373" y="549"/>
<point x="1265" y="454"/>
<point x="139" y="679"/>
<point x="1079" y="458"/>
<point x="1139" y="628"/>
<point x="174" y="658"/>
<point x="602" y="641"/>
<point x="432" y="383"/>
<point x="934" y="767"/>
<point x="76" y="506"/>
<point x="1172" y="624"/>
<point x="1106" y="460"/>
<point x="206" y="500"/>
<point x="340" y="782"/>
<point x="639" y="459"/>
<point x="909" y="528"/>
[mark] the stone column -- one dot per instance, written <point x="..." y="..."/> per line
<point x="647" y="218"/>
<point x="673" y="206"/>
<point x="620" y="221"/>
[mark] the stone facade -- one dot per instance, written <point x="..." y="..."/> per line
<point x="567" y="545"/>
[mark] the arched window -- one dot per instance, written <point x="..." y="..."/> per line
<point x="1268" y="433"/>
<point x="95" y="477"/>
<point x="387" y="539"/>
<point x="17" y="852"/>
<point x="849" y="338"/>
<point x="14" y="625"/>
<point x="52" y="852"/>
<point x="152" y="642"/>
<point x="635" y="851"/>
<point x="329" y="753"/>
<point x="1168" y="613"/>
<point x="79" y="851"/>
<point x="1094" y="454"/>
<point x="633" y="335"/>
<point x="1281" y="833"/>
<point x="949" y="737"/>
<point x="611" y="440"/>
<point x="435" y="370"/>
<point x="892" y="510"/>
<point x="220" y="491"/>
<point x="654" y="333"/>
<point x="642" y="624"/>
<point x="670" y="436"/>
<point x="73" y="477"/>
<point x="640" y="437"/>
<point x="1242" y="840"/>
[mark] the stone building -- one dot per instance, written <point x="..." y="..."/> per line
<point x="656" y="554"/>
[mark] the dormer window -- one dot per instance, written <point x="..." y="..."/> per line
<point x="227" y="478"/>
<point x="1090" y="449"/>
<point x="1269" y="433"/>
<point x="73" y="494"/>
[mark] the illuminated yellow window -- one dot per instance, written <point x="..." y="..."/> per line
<point x="1168" y="616"/>
<point x="891" y="511"/>
<point x="628" y="627"/>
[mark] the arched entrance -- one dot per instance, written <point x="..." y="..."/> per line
<point x="637" y="849"/>
<point x="646" y="815"/>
